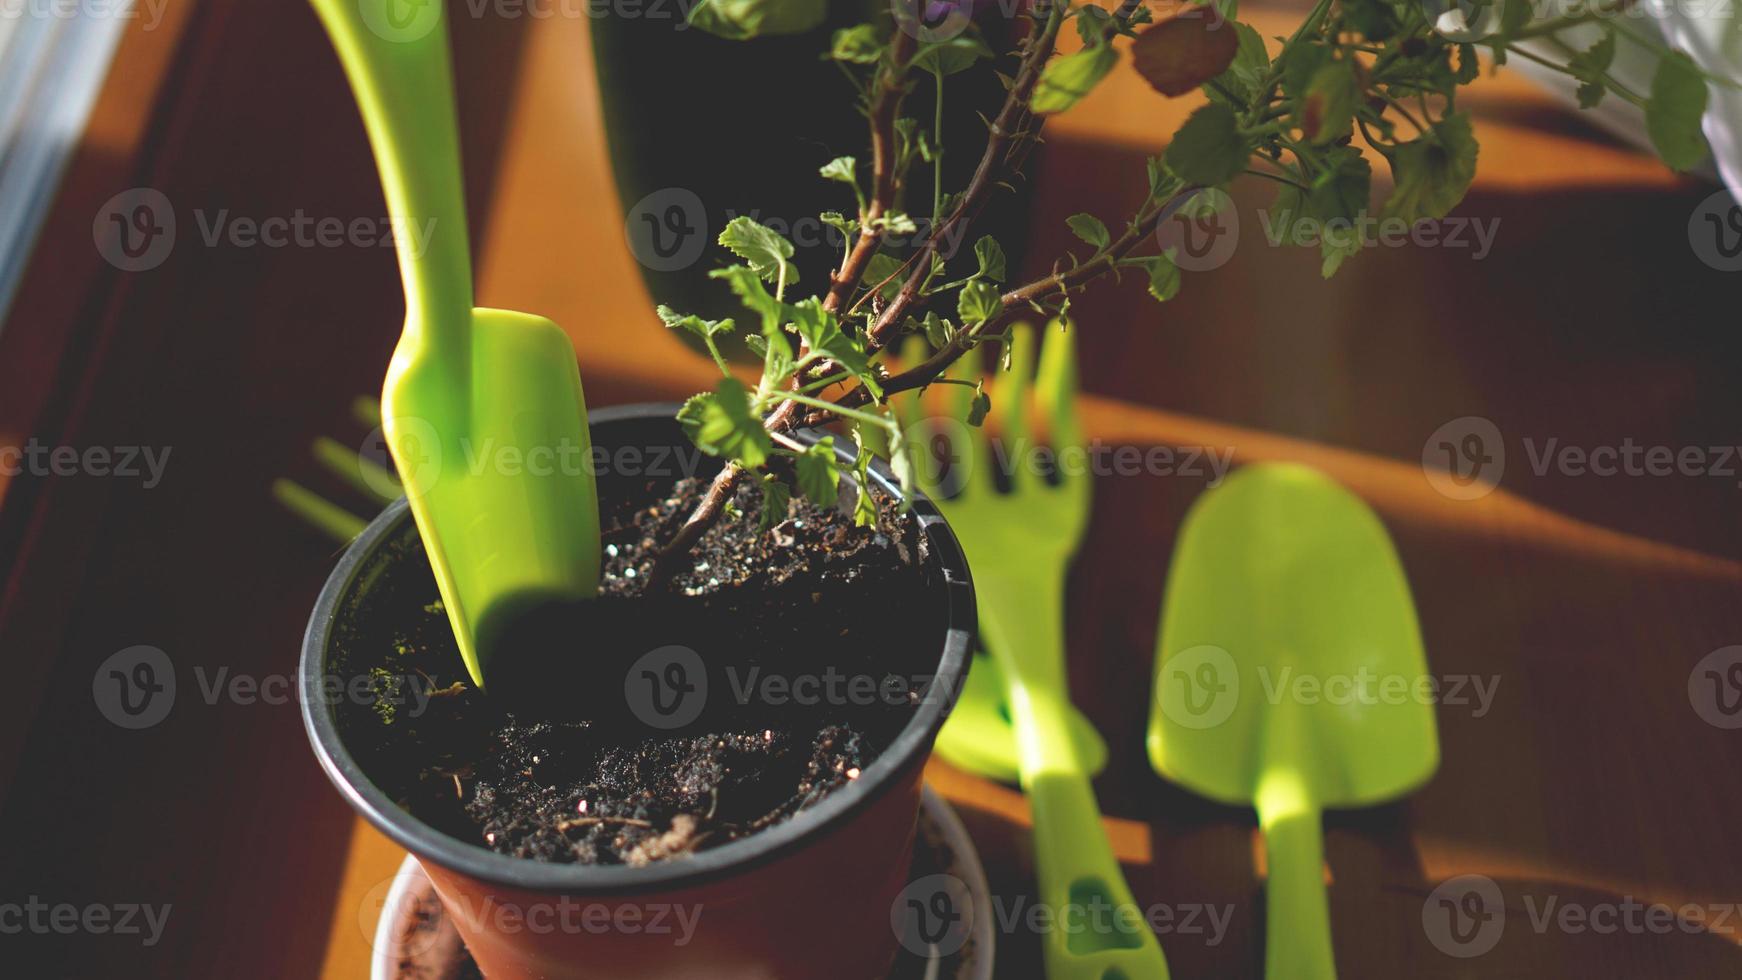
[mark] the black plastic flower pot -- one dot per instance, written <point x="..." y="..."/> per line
<point x="809" y="897"/>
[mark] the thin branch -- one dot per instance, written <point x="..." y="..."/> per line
<point x="1012" y="120"/>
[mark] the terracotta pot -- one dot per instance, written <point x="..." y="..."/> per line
<point x="810" y="897"/>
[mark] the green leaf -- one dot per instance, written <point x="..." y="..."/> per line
<point x="768" y="253"/>
<point x="842" y="169"/>
<point x="1162" y="272"/>
<point x="739" y="20"/>
<point x="748" y="285"/>
<point x="1092" y="24"/>
<point x="990" y="255"/>
<point x="1208" y="148"/>
<point x="693" y="324"/>
<point x="1672" y="115"/>
<point x="882" y="267"/>
<point x="864" y="505"/>
<point x="840" y="222"/>
<point x="777" y="359"/>
<point x="1090" y="229"/>
<point x="1300" y="62"/>
<point x="980" y="407"/>
<point x="901" y="463"/>
<point x="1590" y="68"/>
<point x="978" y="302"/>
<point x="1328" y="108"/>
<point x="1246" y="75"/>
<point x="1432" y="173"/>
<point x="858" y="44"/>
<point x="819" y="472"/>
<point x="1342" y="189"/>
<point x="959" y="53"/>
<point x="822" y="333"/>
<point x="1337" y="243"/>
<point x="1066" y="80"/>
<point x="895" y="223"/>
<point x="720" y="423"/>
<point x="1469" y="66"/>
<point x="776" y="502"/>
<point x="938" y="331"/>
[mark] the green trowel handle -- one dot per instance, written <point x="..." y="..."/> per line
<point x="1097" y="930"/>
<point x="1298" y="916"/>
<point x="395" y="53"/>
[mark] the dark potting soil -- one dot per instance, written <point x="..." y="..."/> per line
<point x="640" y="727"/>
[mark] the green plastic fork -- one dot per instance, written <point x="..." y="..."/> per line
<point x="1019" y="546"/>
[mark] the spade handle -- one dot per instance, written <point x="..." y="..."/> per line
<point x="1297" y="942"/>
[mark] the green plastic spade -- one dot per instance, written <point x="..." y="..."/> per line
<point x="1289" y="677"/>
<point x="978" y="736"/>
<point x="482" y="409"/>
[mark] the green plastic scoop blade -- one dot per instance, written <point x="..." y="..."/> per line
<point x="482" y="409"/>
<point x="1288" y="677"/>
<point x="978" y="736"/>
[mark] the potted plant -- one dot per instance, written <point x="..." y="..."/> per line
<point x="582" y="785"/>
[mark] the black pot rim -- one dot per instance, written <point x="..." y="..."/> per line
<point x="726" y="861"/>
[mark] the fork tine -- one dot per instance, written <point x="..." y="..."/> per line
<point x="1012" y="391"/>
<point x="1056" y="387"/>
<point x="909" y="412"/>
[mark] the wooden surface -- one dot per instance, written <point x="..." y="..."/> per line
<point x="1589" y="599"/>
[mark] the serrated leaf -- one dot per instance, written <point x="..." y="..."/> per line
<point x="1183" y="52"/>
<point x="1162" y="274"/>
<point x="1090" y="229"/>
<point x="739" y="20"/>
<point x="720" y="423"/>
<point x="1673" y="113"/>
<point x="1208" y="148"/>
<point x="858" y="44"/>
<point x="769" y="253"/>
<point x="822" y="333"/>
<point x="1065" y="81"/>
<point x="842" y="169"/>
<point x="1092" y="24"/>
<point x="690" y="323"/>
<point x="748" y="285"/>
<point x="1590" y="67"/>
<point x="882" y="270"/>
<point x="1431" y="174"/>
<point x="959" y="53"/>
<point x="819" y="472"/>
<point x="1247" y="73"/>
<point x="840" y="222"/>
<point x="895" y="223"/>
<point x="776" y="502"/>
<point x="990" y="255"/>
<point x="978" y="302"/>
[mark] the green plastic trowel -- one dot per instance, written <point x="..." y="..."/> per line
<point x="1289" y="676"/>
<point x="481" y="408"/>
